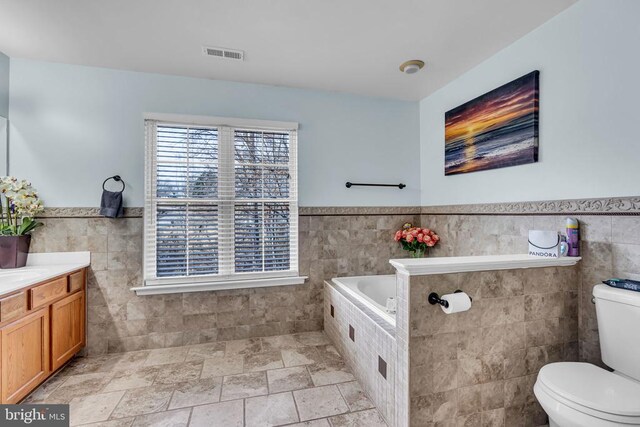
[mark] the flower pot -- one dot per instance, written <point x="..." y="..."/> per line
<point x="416" y="254"/>
<point x="14" y="251"/>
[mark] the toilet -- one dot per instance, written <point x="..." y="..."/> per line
<point x="583" y="395"/>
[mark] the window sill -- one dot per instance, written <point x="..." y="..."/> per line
<point x="218" y="285"/>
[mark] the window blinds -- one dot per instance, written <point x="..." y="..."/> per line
<point x="221" y="203"/>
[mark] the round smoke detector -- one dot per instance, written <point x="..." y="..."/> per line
<point x="411" y="67"/>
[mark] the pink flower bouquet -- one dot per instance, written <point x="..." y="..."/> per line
<point x="416" y="240"/>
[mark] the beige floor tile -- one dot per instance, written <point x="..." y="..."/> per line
<point x="125" y="361"/>
<point x="44" y="390"/>
<point x="279" y="342"/>
<point x="224" y="414"/>
<point x="300" y="356"/>
<point x="142" y="401"/>
<point x="312" y="338"/>
<point x="368" y="418"/>
<point x="328" y="353"/>
<point x="248" y="346"/>
<point x="271" y="410"/>
<point x="87" y="365"/>
<point x="85" y="380"/>
<point x="164" y="387"/>
<point x="263" y="361"/>
<point x="354" y="396"/>
<point x="120" y="422"/>
<point x="319" y="402"/>
<point x="244" y="385"/>
<point x="79" y="386"/>
<point x="330" y="373"/>
<point x="177" y="418"/>
<point x="136" y="378"/>
<point x="324" y="422"/>
<point x="288" y="379"/>
<point x="198" y="392"/>
<point x="179" y="372"/>
<point x="205" y="351"/>
<point x="93" y="408"/>
<point x="222" y="365"/>
<point x="166" y="356"/>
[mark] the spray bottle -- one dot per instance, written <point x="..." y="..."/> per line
<point x="573" y="237"/>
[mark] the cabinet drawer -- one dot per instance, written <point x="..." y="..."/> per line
<point x="43" y="294"/>
<point x="13" y="306"/>
<point x="76" y="281"/>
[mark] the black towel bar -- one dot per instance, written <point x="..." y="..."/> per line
<point x="351" y="184"/>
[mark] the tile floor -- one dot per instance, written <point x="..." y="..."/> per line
<point x="293" y="380"/>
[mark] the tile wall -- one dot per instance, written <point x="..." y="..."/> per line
<point x="610" y="248"/>
<point x="118" y="320"/>
<point x="343" y="242"/>
<point x="478" y="367"/>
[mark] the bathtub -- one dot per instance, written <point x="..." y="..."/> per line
<point x="371" y="291"/>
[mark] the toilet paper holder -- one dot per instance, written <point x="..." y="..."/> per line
<point x="434" y="299"/>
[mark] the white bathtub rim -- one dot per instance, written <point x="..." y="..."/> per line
<point x="364" y="299"/>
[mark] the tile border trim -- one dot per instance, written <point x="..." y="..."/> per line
<point x="86" y="213"/>
<point x="596" y="206"/>
<point x="137" y="212"/>
<point x="358" y="210"/>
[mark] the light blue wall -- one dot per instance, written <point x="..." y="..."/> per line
<point x="72" y="126"/>
<point x="589" y="111"/>
<point x="4" y="85"/>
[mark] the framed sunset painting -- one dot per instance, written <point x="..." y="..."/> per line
<point x="495" y="130"/>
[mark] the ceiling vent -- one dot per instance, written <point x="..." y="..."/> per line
<point x="223" y="53"/>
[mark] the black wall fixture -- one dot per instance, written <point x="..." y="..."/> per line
<point x="116" y="178"/>
<point x="351" y="184"/>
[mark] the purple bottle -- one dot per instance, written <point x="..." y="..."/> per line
<point x="573" y="237"/>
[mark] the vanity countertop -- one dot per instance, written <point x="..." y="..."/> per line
<point x="462" y="264"/>
<point x="40" y="268"/>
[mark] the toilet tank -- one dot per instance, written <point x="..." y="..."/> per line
<point x="618" y="312"/>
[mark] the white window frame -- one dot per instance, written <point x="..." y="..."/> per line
<point x="225" y="279"/>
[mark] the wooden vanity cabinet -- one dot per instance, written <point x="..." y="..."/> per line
<point x="42" y="327"/>
<point x="67" y="329"/>
<point x="25" y="355"/>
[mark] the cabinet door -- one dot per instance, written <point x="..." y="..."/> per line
<point x="67" y="328"/>
<point x="25" y="355"/>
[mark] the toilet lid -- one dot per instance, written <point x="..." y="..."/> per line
<point x="592" y="387"/>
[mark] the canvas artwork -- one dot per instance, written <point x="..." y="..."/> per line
<point x="495" y="130"/>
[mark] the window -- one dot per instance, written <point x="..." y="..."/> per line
<point x="221" y="205"/>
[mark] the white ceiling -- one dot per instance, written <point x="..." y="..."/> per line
<point x="351" y="46"/>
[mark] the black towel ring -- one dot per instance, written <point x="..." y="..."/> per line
<point x="116" y="178"/>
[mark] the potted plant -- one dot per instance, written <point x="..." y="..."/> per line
<point x="416" y="240"/>
<point x="19" y="204"/>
